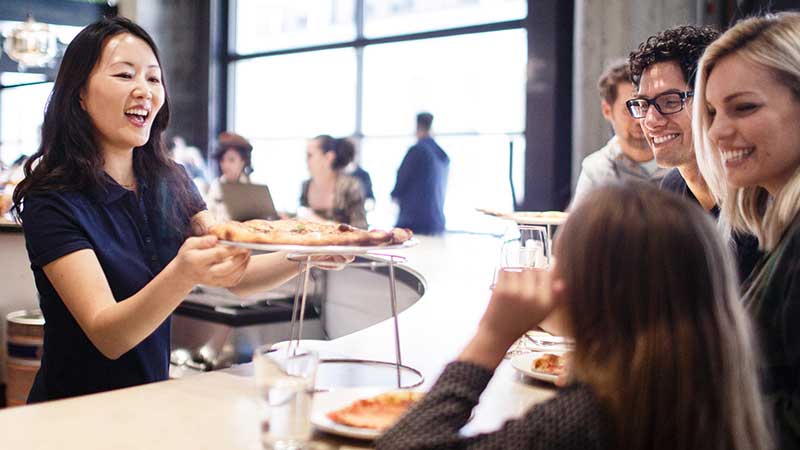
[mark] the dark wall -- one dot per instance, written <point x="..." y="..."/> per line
<point x="548" y="158"/>
<point x="181" y="31"/>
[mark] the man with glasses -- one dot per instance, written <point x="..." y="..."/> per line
<point x="626" y="155"/>
<point x="663" y="70"/>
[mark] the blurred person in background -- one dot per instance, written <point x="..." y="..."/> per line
<point x="330" y="194"/>
<point x="9" y="178"/>
<point x="748" y="148"/>
<point x="422" y="182"/>
<point x="626" y="155"/>
<point x="191" y="160"/>
<point x="233" y="157"/>
<point x="355" y="170"/>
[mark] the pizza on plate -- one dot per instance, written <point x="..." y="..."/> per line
<point x="550" y="363"/>
<point x="305" y="232"/>
<point x="376" y="413"/>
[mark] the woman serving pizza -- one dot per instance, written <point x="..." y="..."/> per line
<point x="107" y="219"/>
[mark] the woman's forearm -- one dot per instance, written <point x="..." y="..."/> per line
<point x="121" y="326"/>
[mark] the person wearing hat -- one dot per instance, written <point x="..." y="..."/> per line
<point x="234" y="163"/>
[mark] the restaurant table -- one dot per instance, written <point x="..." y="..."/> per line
<point x="219" y="410"/>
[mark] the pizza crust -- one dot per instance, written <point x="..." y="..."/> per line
<point x="304" y="232"/>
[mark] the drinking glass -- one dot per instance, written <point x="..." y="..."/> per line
<point x="523" y="247"/>
<point x="285" y="383"/>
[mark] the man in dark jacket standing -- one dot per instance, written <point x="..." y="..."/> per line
<point x="422" y="182"/>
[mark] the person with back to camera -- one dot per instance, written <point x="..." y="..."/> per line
<point x="663" y="354"/>
<point x="748" y="145"/>
<point x="234" y="160"/>
<point x="107" y="218"/>
<point x="331" y="194"/>
<point x="422" y="182"/>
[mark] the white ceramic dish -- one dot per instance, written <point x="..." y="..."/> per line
<point x="325" y="402"/>
<point x="523" y="363"/>
<point x="323" y="249"/>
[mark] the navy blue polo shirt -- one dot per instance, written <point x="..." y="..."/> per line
<point x="133" y="242"/>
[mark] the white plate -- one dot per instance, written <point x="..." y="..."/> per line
<point x="323" y="249"/>
<point x="523" y="219"/>
<point x="324" y="402"/>
<point x="524" y="363"/>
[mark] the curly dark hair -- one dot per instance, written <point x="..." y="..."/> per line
<point x="683" y="44"/>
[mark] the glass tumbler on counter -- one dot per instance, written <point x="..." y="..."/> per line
<point x="523" y="247"/>
<point x="285" y="383"/>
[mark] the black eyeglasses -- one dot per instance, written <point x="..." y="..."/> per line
<point x="668" y="103"/>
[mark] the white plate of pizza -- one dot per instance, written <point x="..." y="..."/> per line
<point x="322" y="249"/>
<point x="360" y="413"/>
<point x="540" y="365"/>
<point x="303" y="236"/>
<point x="530" y="217"/>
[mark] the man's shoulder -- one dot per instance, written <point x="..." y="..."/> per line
<point x="673" y="182"/>
<point x="599" y="161"/>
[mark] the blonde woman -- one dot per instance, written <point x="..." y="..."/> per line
<point x="747" y="131"/>
<point x="663" y="356"/>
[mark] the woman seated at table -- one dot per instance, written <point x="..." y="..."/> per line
<point x="663" y="357"/>
<point x="233" y="158"/>
<point x="329" y="193"/>
<point x="748" y="141"/>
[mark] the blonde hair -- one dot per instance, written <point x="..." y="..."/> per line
<point x="660" y="334"/>
<point x="771" y="42"/>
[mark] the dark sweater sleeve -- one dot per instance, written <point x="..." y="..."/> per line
<point x="785" y="400"/>
<point x="570" y="421"/>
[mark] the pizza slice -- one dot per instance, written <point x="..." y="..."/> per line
<point x="550" y="363"/>
<point x="376" y="413"/>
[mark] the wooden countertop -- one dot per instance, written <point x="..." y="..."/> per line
<point x="218" y="410"/>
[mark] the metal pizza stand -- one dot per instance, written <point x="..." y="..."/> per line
<point x="308" y="257"/>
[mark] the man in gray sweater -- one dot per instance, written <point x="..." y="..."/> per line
<point x="626" y="155"/>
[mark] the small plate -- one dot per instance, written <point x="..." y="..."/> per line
<point x="325" y="402"/>
<point x="523" y="363"/>
<point x="323" y="249"/>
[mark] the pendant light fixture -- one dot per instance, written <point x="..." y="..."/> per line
<point x="31" y="44"/>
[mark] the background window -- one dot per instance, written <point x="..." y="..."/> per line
<point x="473" y="82"/>
<point x="22" y="113"/>
<point x="474" y="85"/>
<point x="393" y="17"/>
<point x="264" y="25"/>
<point x="281" y="101"/>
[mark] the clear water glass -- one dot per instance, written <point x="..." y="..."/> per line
<point x="285" y="383"/>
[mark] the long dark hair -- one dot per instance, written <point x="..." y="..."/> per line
<point x="69" y="158"/>
<point x="343" y="148"/>
<point x="660" y="335"/>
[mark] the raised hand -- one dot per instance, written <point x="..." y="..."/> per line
<point x="201" y="261"/>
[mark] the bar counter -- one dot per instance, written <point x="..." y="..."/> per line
<point x="219" y="410"/>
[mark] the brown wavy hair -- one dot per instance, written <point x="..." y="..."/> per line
<point x="683" y="44"/>
<point x="660" y="334"/>
<point x="69" y="158"/>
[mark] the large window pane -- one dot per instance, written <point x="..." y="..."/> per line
<point x="263" y="25"/>
<point x="296" y="96"/>
<point x="472" y="84"/>
<point x="21" y="112"/>
<point x="281" y="165"/>
<point x="393" y="17"/>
